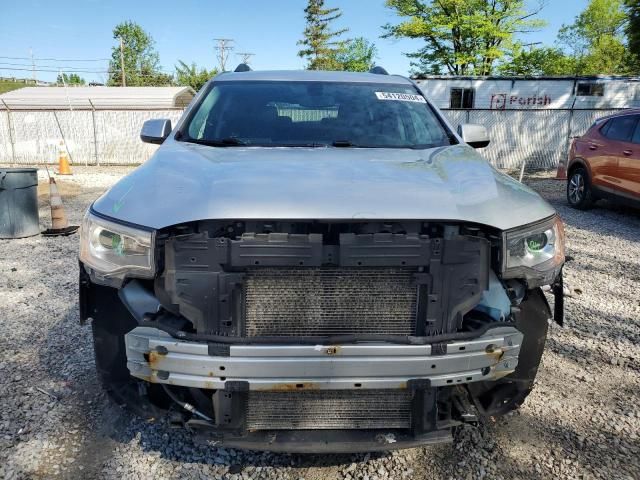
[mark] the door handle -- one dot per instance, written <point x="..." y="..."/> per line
<point x="593" y="147"/>
<point x="627" y="152"/>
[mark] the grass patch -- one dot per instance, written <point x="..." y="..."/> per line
<point x="6" y="86"/>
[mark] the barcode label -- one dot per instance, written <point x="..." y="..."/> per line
<point x="402" y="97"/>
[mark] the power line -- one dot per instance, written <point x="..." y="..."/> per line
<point x="54" y="70"/>
<point x="59" y="59"/>
<point x="224" y="46"/>
<point x="34" y="66"/>
<point x="66" y="70"/>
<point x="97" y="72"/>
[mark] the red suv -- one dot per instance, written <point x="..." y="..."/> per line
<point x="605" y="161"/>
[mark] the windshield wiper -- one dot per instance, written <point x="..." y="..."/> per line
<point x="349" y="144"/>
<point x="343" y="144"/>
<point x="218" y="142"/>
<point x="295" y="145"/>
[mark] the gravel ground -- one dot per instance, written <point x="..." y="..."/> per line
<point x="581" y="421"/>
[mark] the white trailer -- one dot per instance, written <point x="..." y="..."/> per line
<point x="531" y="120"/>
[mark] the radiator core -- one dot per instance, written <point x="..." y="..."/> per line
<point x="329" y="410"/>
<point x="329" y="301"/>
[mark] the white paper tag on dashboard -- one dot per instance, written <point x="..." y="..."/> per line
<point x="402" y="97"/>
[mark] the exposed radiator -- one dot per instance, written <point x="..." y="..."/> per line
<point x="329" y="410"/>
<point x="329" y="301"/>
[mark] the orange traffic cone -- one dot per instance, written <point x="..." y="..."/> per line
<point x="561" y="173"/>
<point x="59" y="223"/>
<point x="63" y="161"/>
<point x="58" y="215"/>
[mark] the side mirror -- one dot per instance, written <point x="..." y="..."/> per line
<point x="475" y="136"/>
<point x="155" y="131"/>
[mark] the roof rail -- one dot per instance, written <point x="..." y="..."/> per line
<point x="378" y="70"/>
<point x="243" y="67"/>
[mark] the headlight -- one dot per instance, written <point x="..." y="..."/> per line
<point x="116" y="251"/>
<point x="534" y="252"/>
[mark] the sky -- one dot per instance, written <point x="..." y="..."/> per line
<point x="185" y="29"/>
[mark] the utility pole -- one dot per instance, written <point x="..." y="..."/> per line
<point x="245" y="56"/>
<point x="224" y="46"/>
<point x="124" y="80"/>
<point x="33" y="66"/>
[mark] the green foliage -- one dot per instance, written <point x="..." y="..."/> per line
<point x="632" y="29"/>
<point x="357" y="55"/>
<point x="8" y="85"/>
<point x="596" y="40"/>
<point x="538" y="61"/>
<point x="141" y="61"/>
<point x="462" y="37"/>
<point x="320" y="45"/>
<point x="601" y="19"/>
<point x="191" y="76"/>
<point x="70" y="79"/>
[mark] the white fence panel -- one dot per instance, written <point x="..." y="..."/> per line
<point x="5" y="143"/>
<point x="538" y="137"/>
<point x="535" y="137"/>
<point x="37" y="136"/>
<point x="119" y="135"/>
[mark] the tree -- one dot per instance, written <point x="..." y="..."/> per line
<point x="357" y="55"/>
<point x="595" y="39"/>
<point x="70" y="79"/>
<point x="633" y="29"/>
<point x="141" y="61"/>
<point x="464" y="37"/>
<point x="538" y="61"/>
<point x="190" y="76"/>
<point x="320" y="45"/>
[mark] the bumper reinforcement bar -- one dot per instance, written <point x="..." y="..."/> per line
<point x="154" y="356"/>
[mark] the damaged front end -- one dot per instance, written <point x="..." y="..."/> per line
<point x="321" y="336"/>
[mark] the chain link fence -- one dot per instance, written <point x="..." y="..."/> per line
<point x="92" y="137"/>
<point x="540" y="138"/>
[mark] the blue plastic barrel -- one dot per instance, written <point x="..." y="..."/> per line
<point x="18" y="202"/>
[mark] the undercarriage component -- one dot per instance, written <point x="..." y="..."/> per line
<point x="498" y="398"/>
<point x="322" y="441"/>
<point x="558" y="300"/>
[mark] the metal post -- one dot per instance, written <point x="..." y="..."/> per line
<point x="124" y="80"/>
<point x="95" y="135"/>
<point x="63" y="139"/>
<point x="569" y="128"/>
<point x="524" y="162"/>
<point x="10" y="128"/>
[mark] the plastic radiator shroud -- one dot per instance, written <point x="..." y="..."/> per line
<point x="204" y="277"/>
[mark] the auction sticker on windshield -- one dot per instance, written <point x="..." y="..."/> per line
<point x="403" y="97"/>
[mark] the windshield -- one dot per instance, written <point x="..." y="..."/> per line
<point x="315" y="114"/>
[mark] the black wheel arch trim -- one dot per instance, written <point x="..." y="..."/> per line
<point x="576" y="163"/>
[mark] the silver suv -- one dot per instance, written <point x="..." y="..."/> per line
<point x="318" y="262"/>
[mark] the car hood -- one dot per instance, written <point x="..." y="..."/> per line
<point x="186" y="182"/>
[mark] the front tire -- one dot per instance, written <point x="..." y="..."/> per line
<point x="579" y="191"/>
<point x="110" y="322"/>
